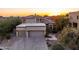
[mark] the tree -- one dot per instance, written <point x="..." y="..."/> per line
<point x="54" y="30"/>
<point x="48" y="30"/>
<point x="7" y="25"/>
<point x="61" y="23"/>
<point x="45" y="15"/>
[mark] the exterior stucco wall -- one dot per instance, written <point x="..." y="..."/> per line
<point x="30" y="21"/>
<point x="74" y="18"/>
<point x="35" y="28"/>
<point x="32" y="31"/>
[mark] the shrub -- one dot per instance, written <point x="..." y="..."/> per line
<point x="57" y="47"/>
<point x="69" y="38"/>
<point x="48" y="44"/>
<point x="8" y="36"/>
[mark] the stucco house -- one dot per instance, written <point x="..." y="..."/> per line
<point x="31" y="19"/>
<point x="31" y="30"/>
<point x="32" y="35"/>
<point x="74" y="19"/>
<point x="48" y="21"/>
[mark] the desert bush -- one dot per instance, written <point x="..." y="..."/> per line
<point x="57" y="47"/>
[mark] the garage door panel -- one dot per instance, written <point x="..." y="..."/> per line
<point x="36" y="34"/>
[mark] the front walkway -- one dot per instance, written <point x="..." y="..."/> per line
<point x="51" y="41"/>
<point x="53" y="37"/>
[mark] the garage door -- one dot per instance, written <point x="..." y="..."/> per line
<point x="36" y="34"/>
<point x="22" y="34"/>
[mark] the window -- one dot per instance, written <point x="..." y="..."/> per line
<point x="77" y="17"/>
<point x="75" y="25"/>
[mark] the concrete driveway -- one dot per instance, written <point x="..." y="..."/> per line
<point x="25" y="44"/>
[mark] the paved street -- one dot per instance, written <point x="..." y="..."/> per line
<point x="24" y="44"/>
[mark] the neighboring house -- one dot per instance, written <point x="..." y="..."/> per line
<point x="74" y="19"/>
<point x="3" y="18"/>
<point x="38" y="19"/>
<point x="31" y="19"/>
<point x="48" y="21"/>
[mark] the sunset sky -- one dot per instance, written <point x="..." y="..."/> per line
<point x="40" y="7"/>
<point x="32" y="11"/>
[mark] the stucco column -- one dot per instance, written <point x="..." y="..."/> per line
<point x="78" y="26"/>
<point x="44" y="32"/>
<point x="72" y="24"/>
<point x="17" y="34"/>
<point x="27" y="34"/>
